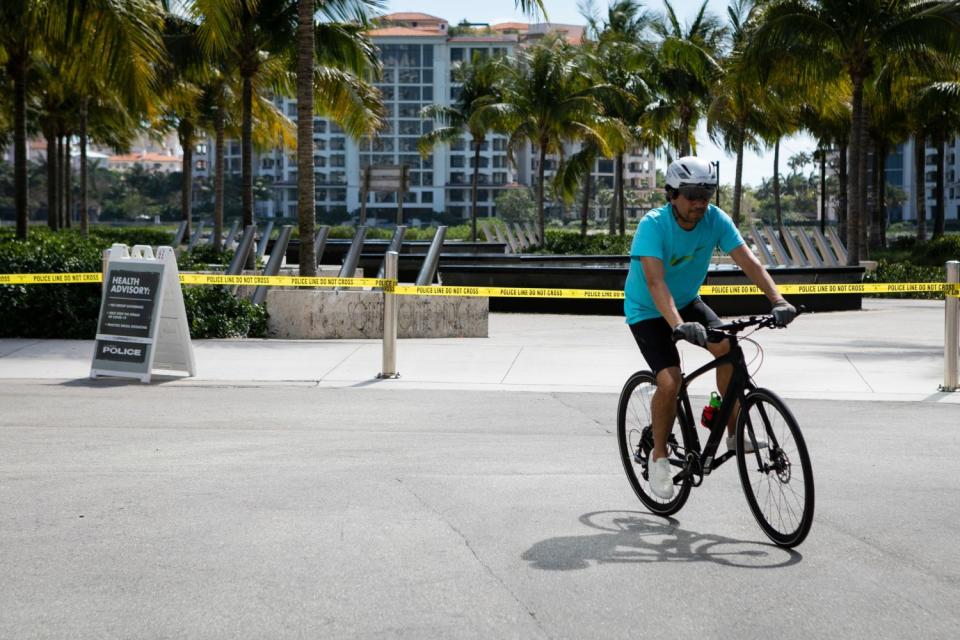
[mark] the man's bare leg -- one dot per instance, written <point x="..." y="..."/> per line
<point x="664" y="408"/>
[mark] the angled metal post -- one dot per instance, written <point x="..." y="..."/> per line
<point x="390" y="317"/>
<point x="951" y="331"/>
<point x="228" y="241"/>
<point x="275" y="262"/>
<point x="320" y="241"/>
<point x="264" y="239"/>
<point x="179" y="234"/>
<point x="353" y="255"/>
<point x="197" y="237"/>
<point x="429" y="269"/>
<point x="243" y="251"/>
<point x="395" y="243"/>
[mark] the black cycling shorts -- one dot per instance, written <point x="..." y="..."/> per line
<point x="654" y="336"/>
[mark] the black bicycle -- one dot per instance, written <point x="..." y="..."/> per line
<point x="777" y="478"/>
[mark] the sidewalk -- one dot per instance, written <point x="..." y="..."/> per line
<point x="891" y="350"/>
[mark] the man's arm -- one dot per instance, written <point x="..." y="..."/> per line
<point x="653" y="273"/>
<point x="755" y="271"/>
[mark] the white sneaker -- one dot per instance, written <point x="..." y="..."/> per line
<point x="748" y="446"/>
<point x="661" y="480"/>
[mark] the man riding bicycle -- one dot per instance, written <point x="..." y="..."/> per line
<point x="669" y="259"/>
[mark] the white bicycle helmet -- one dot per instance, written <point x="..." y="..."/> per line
<point x="691" y="171"/>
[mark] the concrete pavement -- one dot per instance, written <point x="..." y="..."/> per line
<point x="891" y="350"/>
<point x="286" y="493"/>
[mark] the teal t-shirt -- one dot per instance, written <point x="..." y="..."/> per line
<point x="685" y="255"/>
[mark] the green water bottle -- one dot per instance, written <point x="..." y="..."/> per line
<point x="710" y="410"/>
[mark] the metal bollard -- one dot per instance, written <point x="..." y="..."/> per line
<point x="390" y="320"/>
<point x="951" y="331"/>
<point x="106" y="265"/>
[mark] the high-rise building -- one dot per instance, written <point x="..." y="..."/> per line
<point x="418" y="53"/>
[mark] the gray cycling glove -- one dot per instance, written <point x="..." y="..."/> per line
<point x="783" y="313"/>
<point x="692" y="332"/>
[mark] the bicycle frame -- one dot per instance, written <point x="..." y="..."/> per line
<point x="740" y="384"/>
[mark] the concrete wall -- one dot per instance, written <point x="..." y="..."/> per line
<point x="325" y="314"/>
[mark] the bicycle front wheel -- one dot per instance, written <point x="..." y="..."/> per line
<point x="635" y="436"/>
<point x="777" y="478"/>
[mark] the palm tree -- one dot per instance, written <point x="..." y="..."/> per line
<point x="856" y="36"/>
<point x="621" y="60"/>
<point x="122" y="38"/>
<point x="940" y="100"/>
<point x="686" y="67"/>
<point x="480" y="85"/>
<point x="739" y="109"/>
<point x="260" y="39"/>
<point x="548" y="100"/>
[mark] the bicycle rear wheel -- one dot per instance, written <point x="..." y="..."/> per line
<point x="635" y="437"/>
<point x="777" y="479"/>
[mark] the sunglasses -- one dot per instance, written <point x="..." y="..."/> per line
<point x="697" y="192"/>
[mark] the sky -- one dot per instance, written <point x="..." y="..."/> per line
<point x="756" y="166"/>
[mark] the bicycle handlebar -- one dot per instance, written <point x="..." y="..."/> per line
<point x="762" y="321"/>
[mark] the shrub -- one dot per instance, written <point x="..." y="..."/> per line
<point x="937" y="252"/>
<point x="71" y="310"/>
<point x="907" y="272"/>
<point x="49" y="310"/>
<point x="571" y="243"/>
<point x="214" y="312"/>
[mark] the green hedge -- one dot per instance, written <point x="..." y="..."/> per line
<point x="907" y="272"/>
<point x="571" y="243"/>
<point x="71" y="310"/>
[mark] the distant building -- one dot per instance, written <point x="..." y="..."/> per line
<point x="900" y="173"/>
<point x="152" y="162"/>
<point x="418" y="54"/>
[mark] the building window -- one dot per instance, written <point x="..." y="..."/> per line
<point x="456" y="54"/>
<point x="456" y="161"/>
<point x="409" y="127"/>
<point x="338" y="144"/>
<point x="202" y="166"/>
<point x="201" y="149"/>
<point x="426" y="196"/>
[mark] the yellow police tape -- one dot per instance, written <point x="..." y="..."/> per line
<point x="492" y="292"/>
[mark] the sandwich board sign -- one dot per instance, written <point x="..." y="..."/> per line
<point x="143" y="321"/>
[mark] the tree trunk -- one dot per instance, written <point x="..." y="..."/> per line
<point x="776" y="183"/>
<point x="18" y="69"/>
<point x="52" y="220"/>
<point x="866" y="146"/>
<point x="306" y="179"/>
<point x="823" y="188"/>
<point x="218" y="178"/>
<point x="870" y="201"/>
<point x="246" y="159"/>
<point x="882" y="216"/>
<point x="585" y="207"/>
<point x="920" y="185"/>
<point x="60" y="176"/>
<point x="477" y="143"/>
<point x="857" y="165"/>
<point x="540" y="173"/>
<point x="67" y="183"/>
<point x="186" y="188"/>
<point x="612" y="214"/>
<point x="621" y="204"/>
<point x="684" y="148"/>
<point x="843" y="184"/>
<point x="84" y="216"/>
<point x="738" y="179"/>
<point x="940" y="209"/>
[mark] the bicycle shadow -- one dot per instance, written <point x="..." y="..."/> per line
<point x="640" y="537"/>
